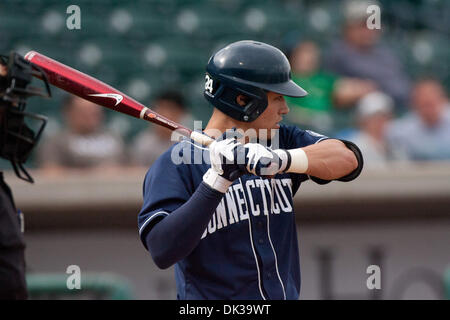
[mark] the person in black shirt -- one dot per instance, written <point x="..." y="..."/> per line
<point x="17" y="140"/>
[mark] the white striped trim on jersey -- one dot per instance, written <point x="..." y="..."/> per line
<point x="253" y="246"/>
<point x="324" y="138"/>
<point x="271" y="244"/>
<point x="150" y="219"/>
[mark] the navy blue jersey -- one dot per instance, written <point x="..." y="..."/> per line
<point x="249" y="249"/>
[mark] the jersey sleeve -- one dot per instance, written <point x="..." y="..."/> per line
<point x="167" y="186"/>
<point x="298" y="138"/>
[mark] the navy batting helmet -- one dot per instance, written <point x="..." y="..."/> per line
<point x="248" y="68"/>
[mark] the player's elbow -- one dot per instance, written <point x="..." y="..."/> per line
<point x="161" y="258"/>
<point x="349" y="160"/>
<point x="343" y="163"/>
<point x="162" y="262"/>
<point x="338" y="161"/>
<point x="345" y="160"/>
<point x="159" y="254"/>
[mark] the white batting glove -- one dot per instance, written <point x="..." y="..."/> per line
<point x="225" y="164"/>
<point x="265" y="162"/>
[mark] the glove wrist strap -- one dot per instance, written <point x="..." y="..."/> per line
<point x="216" y="181"/>
<point x="299" y="161"/>
<point x="285" y="158"/>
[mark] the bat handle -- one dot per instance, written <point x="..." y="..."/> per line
<point x="201" y="138"/>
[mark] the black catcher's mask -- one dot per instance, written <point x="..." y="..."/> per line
<point x="17" y="139"/>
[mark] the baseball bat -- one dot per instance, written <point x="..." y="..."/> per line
<point x="94" y="90"/>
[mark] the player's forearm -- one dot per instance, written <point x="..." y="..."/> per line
<point x="330" y="159"/>
<point x="176" y="235"/>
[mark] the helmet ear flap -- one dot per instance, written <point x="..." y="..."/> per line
<point x="257" y="103"/>
<point x="225" y="98"/>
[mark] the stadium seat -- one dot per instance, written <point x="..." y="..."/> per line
<point x="161" y="43"/>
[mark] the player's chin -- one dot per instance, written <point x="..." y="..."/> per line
<point x="276" y="126"/>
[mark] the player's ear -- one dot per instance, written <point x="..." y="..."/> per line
<point x="242" y="100"/>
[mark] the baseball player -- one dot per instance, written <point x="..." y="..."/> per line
<point x="224" y="215"/>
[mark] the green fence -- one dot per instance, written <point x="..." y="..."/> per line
<point x="92" y="286"/>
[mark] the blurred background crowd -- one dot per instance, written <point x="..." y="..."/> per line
<point x="385" y="89"/>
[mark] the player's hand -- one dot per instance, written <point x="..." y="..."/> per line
<point x="227" y="158"/>
<point x="263" y="161"/>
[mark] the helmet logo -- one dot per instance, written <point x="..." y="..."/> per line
<point x="209" y="85"/>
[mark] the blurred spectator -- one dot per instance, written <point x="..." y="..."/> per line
<point x="325" y="90"/>
<point x="152" y="142"/>
<point x="84" y="143"/>
<point x="424" y="133"/>
<point x="359" y="54"/>
<point x="373" y="114"/>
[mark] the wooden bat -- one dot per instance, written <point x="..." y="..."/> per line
<point x="94" y="90"/>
